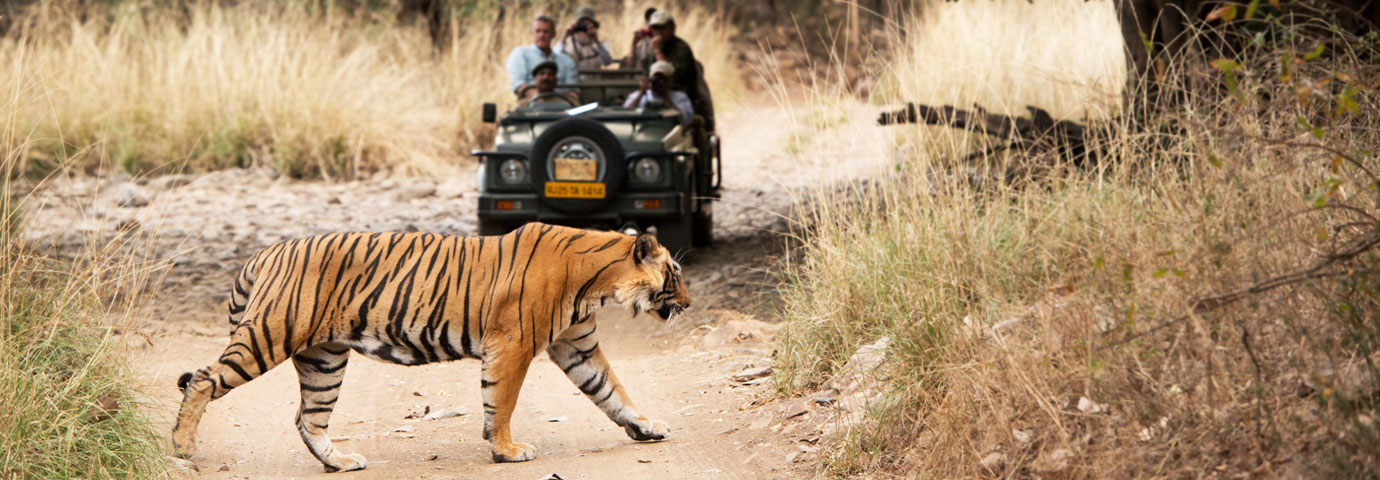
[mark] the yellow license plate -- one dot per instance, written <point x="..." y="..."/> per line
<point x="577" y="169"/>
<point x="574" y="190"/>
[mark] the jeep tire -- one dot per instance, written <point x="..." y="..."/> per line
<point x="702" y="229"/>
<point x="615" y="166"/>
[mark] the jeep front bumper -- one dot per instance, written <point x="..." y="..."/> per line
<point x="525" y="207"/>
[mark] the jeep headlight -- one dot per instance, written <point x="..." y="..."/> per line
<point x="647" y="170"/>
<point x="512" y="171"/>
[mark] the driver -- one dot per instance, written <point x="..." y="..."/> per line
<point x="543" y="95"/>
<point x="659" y="90"/>
<point x="524" y="59"/>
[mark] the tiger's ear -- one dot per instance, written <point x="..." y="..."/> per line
<point x="644" y="247"/>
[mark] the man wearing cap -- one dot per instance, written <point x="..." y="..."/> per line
<point x="642" y="42"/>
<point x="581" y="42"/>
<point x="667" y="47"/>
<point x="659" y="90"/>
<point x="524" y="59"/>
<point x="544" y="81"/>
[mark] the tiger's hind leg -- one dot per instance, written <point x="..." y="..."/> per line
<point x="241" y="362"/>
<point x="321" y="370"/>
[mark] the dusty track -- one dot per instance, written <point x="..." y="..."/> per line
<point x="720" y="429"/>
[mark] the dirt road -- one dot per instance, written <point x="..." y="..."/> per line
<point x="720" y="428"/>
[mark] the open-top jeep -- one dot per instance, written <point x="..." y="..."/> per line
<point x="595" y="163"/>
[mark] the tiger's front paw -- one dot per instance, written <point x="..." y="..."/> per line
<point x="514" y="452"/>
<point x="346" y="463"/>
<point x="184" y="445"/>
<point x="647" y="430"/>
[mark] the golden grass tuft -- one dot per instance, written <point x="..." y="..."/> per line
<point x="1053" y="322"/>
<point x="276" y="84"/>
<point x="68" y="405"/>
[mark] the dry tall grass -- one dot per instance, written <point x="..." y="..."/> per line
<point x="1062" y="323"/>
<point x="68" y="405"/>
<point x="275" y="84"/>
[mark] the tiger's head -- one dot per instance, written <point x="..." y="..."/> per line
<point x="656" y="285"/>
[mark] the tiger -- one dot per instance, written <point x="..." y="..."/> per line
<point x="416" y="298"/>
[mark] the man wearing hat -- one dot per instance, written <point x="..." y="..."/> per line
<point x="642" y="42"/>
<point x="581" y="42"/>
<point x="667" y="47"/>
<point x="524" y="59"/>
<point x="658" y="89"/>
<point x="544" y="81"/>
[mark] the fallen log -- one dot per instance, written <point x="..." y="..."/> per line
<point x="1039" y="131"/>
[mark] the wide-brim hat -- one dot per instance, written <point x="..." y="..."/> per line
<point x="584" y="12"/>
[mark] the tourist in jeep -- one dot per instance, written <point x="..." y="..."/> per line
<point x="658" y="89"/>
<point x="524" y="59"/>
<point x="667" y="47"/>
<point x="581" y="42"/>
<point x="642" y="43"/>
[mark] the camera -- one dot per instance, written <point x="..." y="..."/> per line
<point x="659" y="81"/>
<point x="583" y="25"/>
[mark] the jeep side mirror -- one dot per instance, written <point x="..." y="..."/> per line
<point x="490" y="112"/>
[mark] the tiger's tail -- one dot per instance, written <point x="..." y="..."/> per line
<point x="239" y="301"/>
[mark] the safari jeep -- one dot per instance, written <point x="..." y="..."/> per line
<point x="593" y="163"/>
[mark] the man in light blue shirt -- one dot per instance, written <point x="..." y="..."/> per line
<point x="523" y="59"/>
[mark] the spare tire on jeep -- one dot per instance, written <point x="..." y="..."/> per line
<point x="566" y="148"/>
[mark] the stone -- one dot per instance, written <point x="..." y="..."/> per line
<point x="740" y="331"/>
<point x="183" y="464"/>
<point x="127" y="195"/>
<point x="1052" y="461"/>
<point x="751" y="374"/>
<point x="1090" y="407"/>
<point x="858" y="382"/>
<point x="440" y="414"/>
<point x="415" y="191"/>
<point x="168" y="182"/>
<point x="993" y="461"/>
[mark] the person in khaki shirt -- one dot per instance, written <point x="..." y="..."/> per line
<point x="688" y="78"/>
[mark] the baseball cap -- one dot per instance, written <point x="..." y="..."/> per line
<point x="546" y="64"/>
<point x="661" y="17"/>
<point x="662" y="67"/>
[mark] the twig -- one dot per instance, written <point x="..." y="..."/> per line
<point x="1318" y="146"/>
